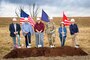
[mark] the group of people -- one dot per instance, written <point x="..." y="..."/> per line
<point x="39" y="28"/>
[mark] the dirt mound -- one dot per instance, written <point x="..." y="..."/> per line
<point x="46" y="51"/>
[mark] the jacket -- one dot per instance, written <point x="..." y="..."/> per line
<point x="73" y="29"/>
<point x="12" y="29"/>
<point x="64" y="30"/>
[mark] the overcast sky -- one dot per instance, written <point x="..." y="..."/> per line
<point x="51" y="7"/>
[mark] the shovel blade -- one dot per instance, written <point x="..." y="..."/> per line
<point x="39" y="45"/>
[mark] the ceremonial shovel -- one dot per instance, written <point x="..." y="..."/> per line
<point x="39" y="45"/>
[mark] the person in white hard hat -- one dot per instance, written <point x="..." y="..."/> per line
<point x="39" y="33"/>
<point x="62" y="33"/>
<point x="74" y="32"/>
<point x="15" y="29"/>
<point x="50" y="30"/>
<point x="27" y="31"/>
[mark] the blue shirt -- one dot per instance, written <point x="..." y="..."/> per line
<point x="62" y="29"/>
<point x="26" y="27"/>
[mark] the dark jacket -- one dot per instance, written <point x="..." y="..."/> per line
<point x="73" y="29"/>
<point x="12" y="29"/>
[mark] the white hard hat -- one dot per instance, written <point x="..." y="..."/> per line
<point x="14" y="19"/>
<point x="72" y="20"/>
<point x="62" y="22"/>
<point x="25" y="18"/>
<point x="51" y="18"/>
<point x="38" y="18"/>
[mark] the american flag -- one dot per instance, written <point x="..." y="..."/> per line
<point x="66" y="20"/>
<point x="24" y="15"/>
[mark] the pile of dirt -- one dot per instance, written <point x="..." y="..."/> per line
<point x="46" y="51"/>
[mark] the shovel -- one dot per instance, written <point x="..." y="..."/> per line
<point x="39" y="45"/>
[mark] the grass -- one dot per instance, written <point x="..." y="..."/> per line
<point x="83" y="39"/>
<point x="54" y="58"/>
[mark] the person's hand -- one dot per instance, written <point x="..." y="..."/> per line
<point x="40" y="31"/>
<point x="76" y="33"/>
<point x="25" y="32"/>
<point x="62" y="32"/>
<point x="15" y="33"/>
<point x="37" y="30"/>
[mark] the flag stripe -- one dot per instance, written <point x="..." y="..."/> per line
<point x="66" y="20"/>
<point x="24" y="15"/>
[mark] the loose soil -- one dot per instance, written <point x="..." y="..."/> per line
<point x="45" y="51"/>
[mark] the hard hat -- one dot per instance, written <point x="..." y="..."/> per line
<point x="72" y="20"/>
<point x="14" y="19"/>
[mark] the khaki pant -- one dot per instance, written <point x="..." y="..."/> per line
<point x="51" y="39"/>
<point x="74" y="40"/>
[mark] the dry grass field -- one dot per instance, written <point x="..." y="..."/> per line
<point x="83" y="39"/>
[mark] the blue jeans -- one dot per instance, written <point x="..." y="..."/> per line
<point x="14" y="40"/>
<point x="62" y="41"/>
<point x="28" y="39"/>
<point x="39" y="39"/>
